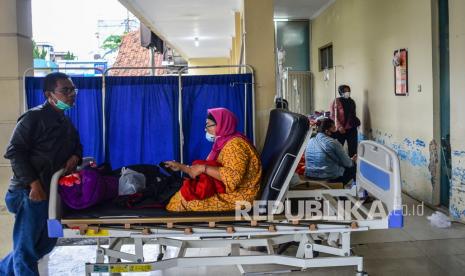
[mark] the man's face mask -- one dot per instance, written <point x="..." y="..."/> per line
<point x="61" y="105"/>
<point x="209" y="137"/>
<point x="346" y="95"/>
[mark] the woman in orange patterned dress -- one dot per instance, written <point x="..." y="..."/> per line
<point x="240" y="169"/>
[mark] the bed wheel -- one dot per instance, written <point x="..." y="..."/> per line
<point x="160" y="256"/>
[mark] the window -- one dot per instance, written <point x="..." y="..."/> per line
<point x="326" y="57"/>
<point x="293" y="37"/>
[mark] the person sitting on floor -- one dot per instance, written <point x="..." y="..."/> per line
<point x="325" y="157"/>
<point x="240" y="170"/>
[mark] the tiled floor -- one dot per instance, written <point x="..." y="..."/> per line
<point x="417" y="249"/>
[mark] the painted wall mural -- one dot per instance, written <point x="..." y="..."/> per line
<point x="457" y="201"/>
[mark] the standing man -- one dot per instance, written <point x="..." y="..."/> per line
<point x="43" y="141"/>
<point x="343" y="112"/>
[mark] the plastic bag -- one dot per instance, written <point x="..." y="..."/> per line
<point x="439" y="220"/>
<point x="130" y="182"/>
<point x="87" y="162"/>
<point x="295" y="180"/>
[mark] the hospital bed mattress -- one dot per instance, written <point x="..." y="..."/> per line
<point x="110" y="213"/>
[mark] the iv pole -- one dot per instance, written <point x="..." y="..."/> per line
<point x="335" y="95"/>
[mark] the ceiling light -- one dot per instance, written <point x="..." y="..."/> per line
<point x="196" y="42"/>
<point x="281" y="19"/>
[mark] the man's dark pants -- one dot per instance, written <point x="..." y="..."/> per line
<point x="351" y="136"/>
<point x="30" y="234"/>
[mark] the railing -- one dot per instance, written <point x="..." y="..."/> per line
<point x="298" y="91"/>
<point x="181" y="71"/>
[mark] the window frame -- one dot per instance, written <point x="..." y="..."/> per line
<point x="328" y="50"/>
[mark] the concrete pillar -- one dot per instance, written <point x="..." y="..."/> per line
<point x="457" y="112"/>
<point x="15" y="57"/>
<point x="237" y="40"/>
<point x="259" y="52"/>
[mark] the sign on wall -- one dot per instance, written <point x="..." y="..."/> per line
<point x="400" y="62"/>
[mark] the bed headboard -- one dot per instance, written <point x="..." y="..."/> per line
<point x="378" y="172"/>
<point x="283" y="148"/>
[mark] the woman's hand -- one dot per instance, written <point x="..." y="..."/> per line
<point x="195" y="170"/>
<point x="175" y="166"/>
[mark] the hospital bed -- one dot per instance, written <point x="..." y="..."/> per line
<point x="378" y="173"/>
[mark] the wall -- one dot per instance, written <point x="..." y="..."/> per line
<point x="259" y="52"/>
<point x="364" y="34"/>
<point x="209" y="62"/>
<point x="457" y="94"/>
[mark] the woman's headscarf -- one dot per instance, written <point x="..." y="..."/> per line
<point x="226" y="124"/>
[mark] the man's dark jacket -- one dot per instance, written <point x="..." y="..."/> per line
<point x="42" y="141"/>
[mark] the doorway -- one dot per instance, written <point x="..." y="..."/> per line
<point x="444" y="83"/>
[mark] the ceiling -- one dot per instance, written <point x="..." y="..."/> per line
<point x="180" y="22"/>
<point x="300" y="9"/>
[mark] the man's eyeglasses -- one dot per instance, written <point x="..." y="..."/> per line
<point x="67" y="91"/>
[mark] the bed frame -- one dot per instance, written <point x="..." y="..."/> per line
<point x="377" y="172"/>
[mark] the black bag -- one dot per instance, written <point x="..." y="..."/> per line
<point x="159" y="188"/>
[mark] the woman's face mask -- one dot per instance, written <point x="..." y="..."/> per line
<point x="210" y="127"/>
<point x="210" y="137"/>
